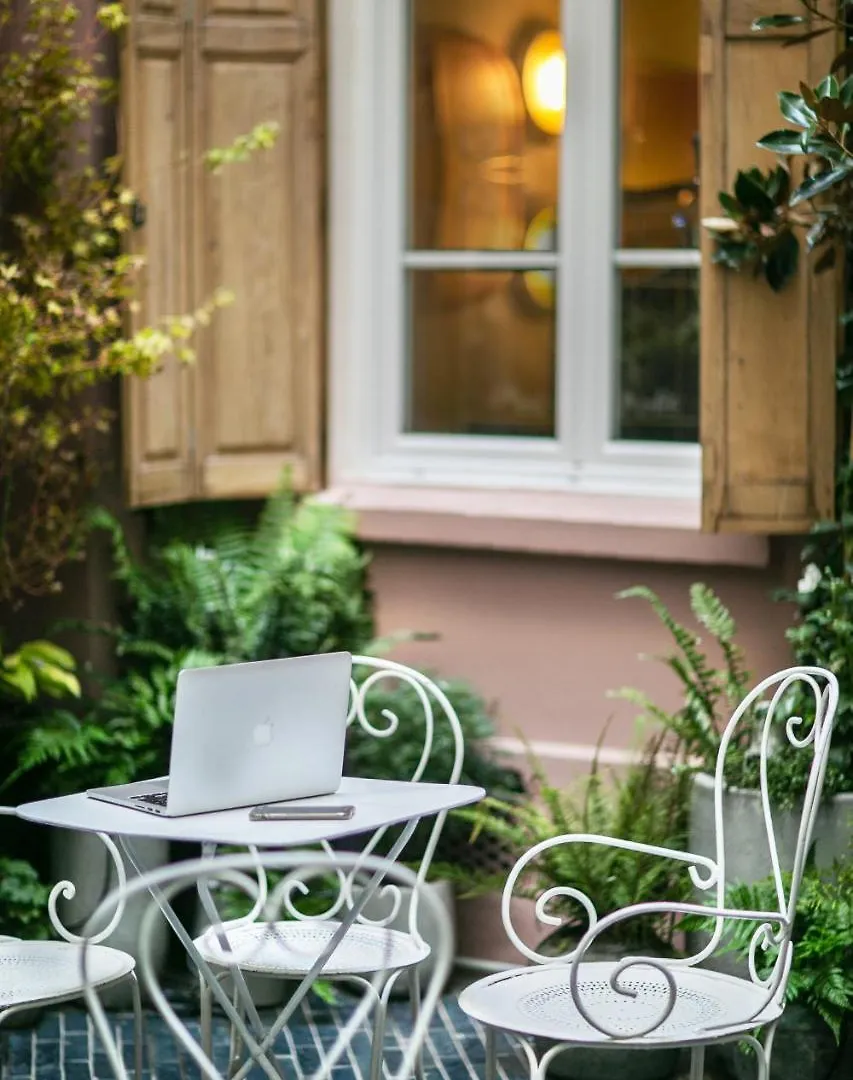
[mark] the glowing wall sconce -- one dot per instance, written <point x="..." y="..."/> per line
<point x="541" y="235"/>
<point x="543" y="81"/>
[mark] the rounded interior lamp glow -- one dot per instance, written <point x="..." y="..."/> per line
<point x="543" y="81"/>
<point x="541" y="235"/>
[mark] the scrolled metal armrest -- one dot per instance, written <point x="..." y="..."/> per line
<point x="763" y="937"/>
<point x="694" y="864"/>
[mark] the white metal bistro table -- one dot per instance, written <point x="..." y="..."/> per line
<point x="377" y="803"/>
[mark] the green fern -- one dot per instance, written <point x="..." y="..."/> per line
<point x="710" y="694"/>
<point x="822" y="967"/>
<point x="712" y="613"/>
<point x="646" y="803"/>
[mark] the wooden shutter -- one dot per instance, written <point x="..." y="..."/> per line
<point x="158" y="412"/>
<point x="767" y="359"/>
<point x="254" y="397"/>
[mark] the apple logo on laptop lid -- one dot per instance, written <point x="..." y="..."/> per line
<point x="262" y="735"/>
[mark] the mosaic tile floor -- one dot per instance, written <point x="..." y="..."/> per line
<point x="64" y="1046"/>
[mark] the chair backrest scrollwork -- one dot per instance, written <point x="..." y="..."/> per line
<point x="67" y="890"/>
<point x="239" y="872"/>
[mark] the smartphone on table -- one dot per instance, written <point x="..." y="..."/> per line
<point x="282" y="812"/>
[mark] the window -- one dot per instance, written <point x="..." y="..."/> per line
<point x="513" y="230"/>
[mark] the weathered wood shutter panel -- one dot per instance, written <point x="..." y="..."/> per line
<point x="768" y="360"/>
<point x="256" y="392"/>
<point x="258" y="386"/>
<point x="158" y="413"/>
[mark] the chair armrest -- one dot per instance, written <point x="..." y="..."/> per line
<point x="694" y="864"/>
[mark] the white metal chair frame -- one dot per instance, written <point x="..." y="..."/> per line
<point x="241" y="871"/>
<point x="652" y="1002"/>
<point x="53" y="967"/>
<point x="312" y="932"/>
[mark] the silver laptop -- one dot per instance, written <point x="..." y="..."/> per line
<point x="250" y="733"/>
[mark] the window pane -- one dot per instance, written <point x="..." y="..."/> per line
<point x="482" y="353"/>
<point x="486" y="105"/>
<point x="659" y="384"/>
<point x="660" y="123"/>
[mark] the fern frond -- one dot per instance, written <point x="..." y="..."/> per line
<point x="712" y="613"/>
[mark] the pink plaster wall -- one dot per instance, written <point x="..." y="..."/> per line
<point x="544" y="637"/>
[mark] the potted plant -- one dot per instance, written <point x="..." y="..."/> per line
<point x="645" y="803"/>
<point x="710" y="696"/>
<point x="813" y="1038"/>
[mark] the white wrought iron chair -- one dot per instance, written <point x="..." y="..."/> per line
<point x="652" y="1003"/>
<point x="305" y="936"/>
<point x="270" y="1045"/>
<point x="34" y="974"/>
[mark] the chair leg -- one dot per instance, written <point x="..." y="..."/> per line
<point x="697" y="1063"/>
<point x="764" y="1056"/>
<point x="415" y="1001"/>
<point x="491" y="1055"/>
<point x="205" y="1009"/>
<point x="138" y="1032"/>
<point x="236" y="1040"/>
<point x="377" y="1049"/>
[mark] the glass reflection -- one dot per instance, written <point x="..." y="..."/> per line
<point x="660" y="123"/>
<point x="482" y="355"/>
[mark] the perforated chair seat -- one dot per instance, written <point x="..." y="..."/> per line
<point x="538" y="1002"/>
<point x="36" y="971"/>
<point x="291" y="948"/>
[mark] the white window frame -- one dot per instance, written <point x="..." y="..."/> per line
<point x="367" y="261"/>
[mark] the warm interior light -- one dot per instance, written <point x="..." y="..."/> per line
<point x="541" y="236"/>
<point x="543" y="81"/>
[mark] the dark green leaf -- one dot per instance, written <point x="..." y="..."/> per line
<point x="780" y="265"/>
<point x="816" y="234"/>
<point x="816" y="185"/>
<point x="795" y="109"/>
<point x="731" y="206"/>
<point x="779" y="184"/>
<point x="843" y="60"/>
<point x="775" y="22"/>
<point x="783" y="141"/>
<point x="827" y="87"/>
<point x="752" y="196"/>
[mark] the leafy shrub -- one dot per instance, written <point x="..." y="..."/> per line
<point x="647" y="803"/>
<point x="23" y="901"/>
<point x="37" y="667"/>
<point x="295" y="583"/>
<point x="64" y="281"/>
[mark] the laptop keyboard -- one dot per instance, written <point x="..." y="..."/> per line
<point x="156" y="798"/>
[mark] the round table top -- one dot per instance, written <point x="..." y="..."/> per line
<point x="376" y="802"/>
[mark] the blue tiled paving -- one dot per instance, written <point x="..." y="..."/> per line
<point x="64" y="1046"/>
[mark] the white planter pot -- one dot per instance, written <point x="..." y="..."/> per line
<point x="83" y="859"/>
<point x="746" y="846"/>
<point x="747" y="853"/>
